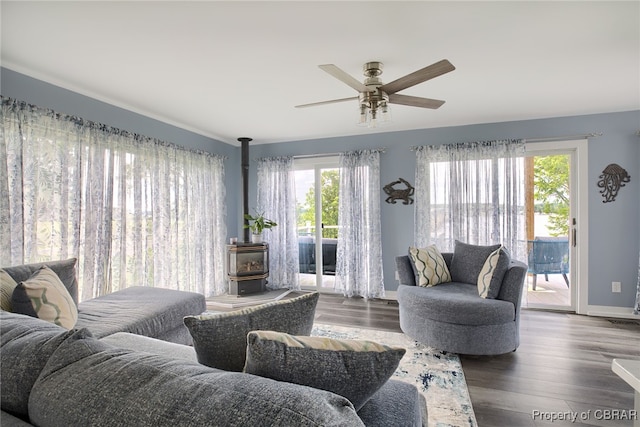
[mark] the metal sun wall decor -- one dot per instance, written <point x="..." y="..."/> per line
<point x="612" y="179"/>
<point x="403" y="194"/>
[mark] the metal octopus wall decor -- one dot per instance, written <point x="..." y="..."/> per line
<point x="612" y="179"/>
<point x="403" y="194"/>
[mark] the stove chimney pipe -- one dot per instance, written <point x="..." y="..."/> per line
<point x="245" y="185"/>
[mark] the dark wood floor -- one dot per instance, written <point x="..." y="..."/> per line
<point x="563" y="364"/>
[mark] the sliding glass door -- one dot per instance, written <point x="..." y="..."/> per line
<point x="554" y="192"/>
<point x="317" y="187"/>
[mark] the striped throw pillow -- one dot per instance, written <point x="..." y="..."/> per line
<point x="492" y="273"/>
<point x="429" y="266"/>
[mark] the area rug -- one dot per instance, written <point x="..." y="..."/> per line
<point x="438" y="375"/>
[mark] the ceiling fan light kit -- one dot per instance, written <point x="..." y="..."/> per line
<point x="374" y="96"/>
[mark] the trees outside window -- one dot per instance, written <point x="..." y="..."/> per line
<point x="330" y="189"/>
<point x="551" y="191"/>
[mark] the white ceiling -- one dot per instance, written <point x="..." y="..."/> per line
<point x="230" y="69"/>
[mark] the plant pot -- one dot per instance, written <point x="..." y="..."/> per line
<point x="256" y="238"/>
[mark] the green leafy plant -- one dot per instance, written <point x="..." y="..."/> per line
<point x="258" y="223"/>
<point x="551" y="191"/>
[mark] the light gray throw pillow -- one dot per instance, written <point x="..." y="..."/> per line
<point x="355" y="369"/>
<point x="220" y="339"/>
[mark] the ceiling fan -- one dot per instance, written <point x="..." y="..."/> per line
<point x="374" y="96"/>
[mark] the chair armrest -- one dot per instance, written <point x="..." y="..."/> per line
<point x="513" y="283"/>
<point x="405" y="271"/>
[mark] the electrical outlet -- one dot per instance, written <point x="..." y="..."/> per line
<point x="397" y="276"/>
<point x="616" y="287"/>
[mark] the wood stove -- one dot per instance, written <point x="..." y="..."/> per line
<point x="247" y="267"/>
<point x="247" y="263"/>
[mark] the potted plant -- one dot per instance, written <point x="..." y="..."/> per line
<point x="257" y="224"/>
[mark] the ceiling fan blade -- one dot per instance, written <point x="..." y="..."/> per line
<point x="422" y="75"/>
<point x="414" y="101"/>
<point x="313" y="104"/>
<point x="344" y="77"/>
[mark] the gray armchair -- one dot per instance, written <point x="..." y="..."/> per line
<point x="454" y="318"/>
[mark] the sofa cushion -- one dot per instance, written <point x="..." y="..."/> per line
<point x="94" y="383"/>
<point x="492" y="273"/>
<point x="428" y="266"/>
<point x="44" y="296"/>
<point x="26" y="343"/>
<point x="220" y="339"/>
<point x="65" y="270"/>
<point x="8" y="420"/>
<point x="396" y="404"/>
<point x="355" y="369"/>
<point x="139" y="310"/>
<point x="468" y="260"/>
<point x="457" y="303"/>
<point x="7" y="285"/>
<point x="151" y="345"/>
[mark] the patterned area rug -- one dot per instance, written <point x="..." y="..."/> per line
<point x="438" y="375"/>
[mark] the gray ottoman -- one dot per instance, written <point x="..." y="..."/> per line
<point x="152" y="312"/>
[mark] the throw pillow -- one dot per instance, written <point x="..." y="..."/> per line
<point x="354" y="369"/>
<point x="44" y="296"/>
<point x="492" y="273"/>
<point x="429" y="266"/>
<point x="65" y="269"/>
<point x="220" y="339"/>
<point x="7" y="285"/>
<point x="468" y="260"/>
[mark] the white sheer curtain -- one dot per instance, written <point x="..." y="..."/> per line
<point x="133" y="210"/>
<point x="472" y="192"/>
<point x="359" y="252"/>
<point x="277" y="199"/>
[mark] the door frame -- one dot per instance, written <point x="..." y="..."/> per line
<point x="317" y="164"/>
<point x="579" y="210"/>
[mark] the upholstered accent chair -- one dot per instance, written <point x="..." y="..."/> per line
<point x="453" y="317"/>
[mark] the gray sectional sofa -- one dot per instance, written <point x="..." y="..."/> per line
<point x="153" y="312"/>
<point x="112" y="370"/>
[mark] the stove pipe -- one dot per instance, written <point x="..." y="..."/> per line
<point x="245" y="185"/>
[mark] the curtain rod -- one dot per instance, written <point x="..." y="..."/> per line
<point x="311" y="156"/>
<point x="551" y="139"/>
<point x="564" y="138"/>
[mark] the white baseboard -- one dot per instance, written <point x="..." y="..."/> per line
<point x="391" y="295"/>
<point x="608" y="311"/>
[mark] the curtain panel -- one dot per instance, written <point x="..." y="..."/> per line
<point x="277" y="200"/>
<point x="134" y="210"/>
<point x="472" y="192"/>
<point x="359" y="251"/>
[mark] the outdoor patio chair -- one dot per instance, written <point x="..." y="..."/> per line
<point x="548" y="255"/>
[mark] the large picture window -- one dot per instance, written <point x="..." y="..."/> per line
<point x="472" y="192"/>
<point x="134" y="210"/>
